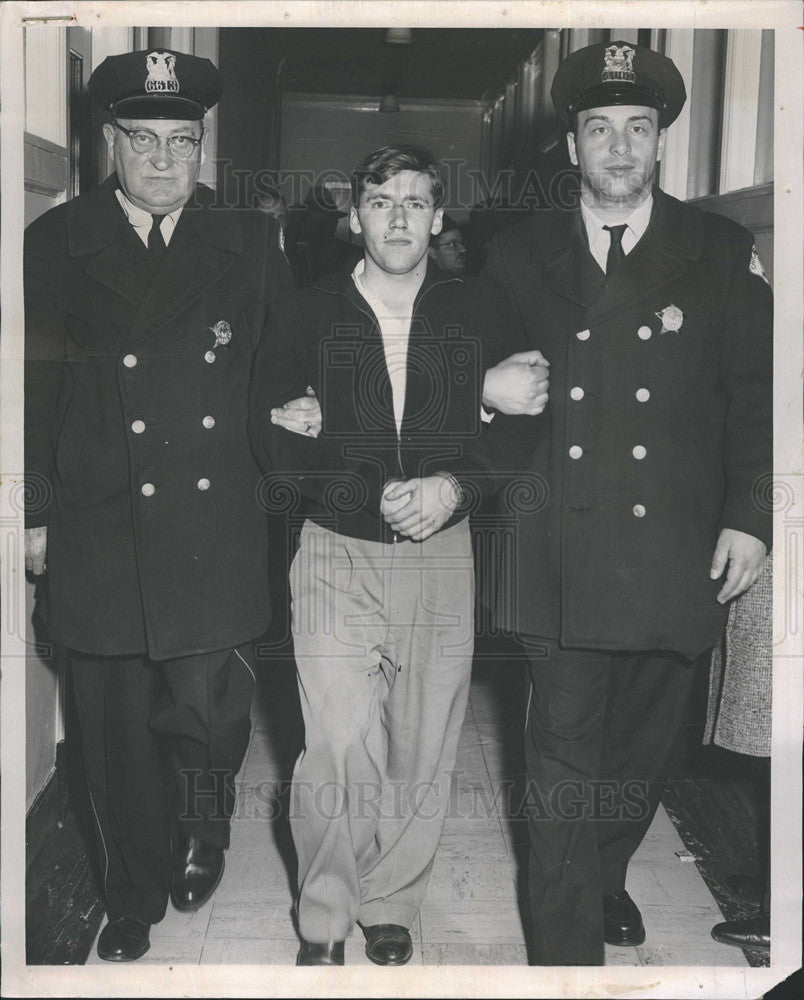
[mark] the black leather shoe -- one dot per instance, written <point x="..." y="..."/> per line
<point x="312" y="953"/>
<point x="197" y="870"/>
<point x="753" y="932"/>
<point x="622" y="921"/>
<point x="388" y="944"/>
<point x="124" y="940"/>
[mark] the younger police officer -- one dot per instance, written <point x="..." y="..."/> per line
<point x="147" y="310"/>
<point x="657" y="323"/>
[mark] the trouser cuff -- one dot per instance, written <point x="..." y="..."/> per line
<point x="379" y="912"/>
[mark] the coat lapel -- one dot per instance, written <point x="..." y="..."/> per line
<point x="96" y="228"/>
<point x="570" y="270"/>
<point x="204" y="244"/>
<point x="122" y="266"/>
<point x="668" y="249"/>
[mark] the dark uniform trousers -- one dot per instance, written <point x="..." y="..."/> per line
<point x="163" y="742"/>
<point x="600" y="733"/>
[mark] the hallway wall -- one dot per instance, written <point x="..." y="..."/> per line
<point x="321" y="133"/>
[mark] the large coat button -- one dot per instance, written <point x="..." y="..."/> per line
<point x="575" y="451"/>
<point x="639" y="510"/>
<point x="138" y="426"/>
<point x="644" y="333"/>
<point x="208" y="422"/>
<point x="639" y="452"/>
<point x="148" y="489"/>
<point x="583" y="334"/>
<point x="209" y="357"/>
<point x="643" y="395"/>
<point x="576" y="392"/>
<point x="130" y="360"/>
<point x="203" y="484"/>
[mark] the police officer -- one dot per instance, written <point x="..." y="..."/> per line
<point x="657" y="323"/>
<point x="150" y="313"/>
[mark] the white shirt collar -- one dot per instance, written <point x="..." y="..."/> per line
<point x="142" y="220"/>
<point x="637" y="221"/>
<point x="600" y="239"/>
<point x="359" y="268"/>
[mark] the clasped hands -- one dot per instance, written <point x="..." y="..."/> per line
<point x="417" y="508"/>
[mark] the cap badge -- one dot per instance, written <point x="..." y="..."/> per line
<point x="619" y="64"/>
<point x="672" y="318"/>
<point x="223" y="333"/>
<point x="161" y="77"/>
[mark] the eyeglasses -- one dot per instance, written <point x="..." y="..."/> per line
<point x="452" y="245"/>
<point x="144" y="141"/>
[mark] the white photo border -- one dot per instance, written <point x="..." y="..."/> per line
<point x="788" y="715"/>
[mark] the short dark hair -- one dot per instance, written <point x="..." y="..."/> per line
<point x="387" y="162"/>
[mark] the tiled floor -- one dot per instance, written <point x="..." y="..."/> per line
<point x="471" y="914"/>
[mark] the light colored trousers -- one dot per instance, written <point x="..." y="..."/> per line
<point x="383" y="638"/>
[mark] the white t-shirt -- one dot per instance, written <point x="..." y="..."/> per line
<point x="395" y="332"/>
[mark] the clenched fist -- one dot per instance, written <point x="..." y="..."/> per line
<point x="519" y="385"/>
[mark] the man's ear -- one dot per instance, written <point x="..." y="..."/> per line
<point x="662" y="143"/>
<point x="108" y="135"/>
<point x="354" y="221"/>
<point x="438" y="222"/>
<point x="573" y="154"/>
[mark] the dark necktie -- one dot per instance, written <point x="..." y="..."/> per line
<point x="616" y="254"/>
<point x="156" y="242"/>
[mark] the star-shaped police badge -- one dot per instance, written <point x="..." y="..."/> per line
<point x="223" y="333"/>
<point x="672" y="318"/>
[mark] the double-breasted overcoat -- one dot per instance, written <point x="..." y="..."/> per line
<point x="658" y="432"/>
<point x="139" y="386"/>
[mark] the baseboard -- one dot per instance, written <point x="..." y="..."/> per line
<point x="47" y="810"/>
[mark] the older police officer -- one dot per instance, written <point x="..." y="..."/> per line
<point x="657" y="323"/>
<point x="149" y="313"/>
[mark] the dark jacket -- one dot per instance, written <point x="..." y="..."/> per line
<point x="459" y="328"/>
<point x="121" y="372"/>
<point x="590" y="571"/>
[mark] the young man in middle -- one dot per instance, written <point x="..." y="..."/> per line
<point x="383" y="582"/>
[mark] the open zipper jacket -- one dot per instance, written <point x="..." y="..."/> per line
<point x="459" y="328"/>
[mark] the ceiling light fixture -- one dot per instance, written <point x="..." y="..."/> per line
<point x="398" y="36"/>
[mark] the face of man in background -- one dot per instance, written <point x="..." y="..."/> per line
<point x="449" y="251"/>
<point x="616" y="150"/>
<point x="158" y="181"/>
<point x="396" y="220"/>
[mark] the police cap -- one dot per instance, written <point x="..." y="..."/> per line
<point x="612" y="73"/>
<point x="156" y="83"/>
